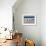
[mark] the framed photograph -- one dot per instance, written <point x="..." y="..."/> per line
<point x="29" y="20"/>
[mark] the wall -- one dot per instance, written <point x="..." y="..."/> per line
<point x="43" y="22"/>
<point x="29" y="32"/>
<point x="6" y="13"/>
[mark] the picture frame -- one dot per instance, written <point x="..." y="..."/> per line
<point x="29" y="19"/>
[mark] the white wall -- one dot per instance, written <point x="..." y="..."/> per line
<point x="43" y="22"/>
<point x="37" y="32"/>
<point x="29" y="7"/>
<point x="6" y="13"/>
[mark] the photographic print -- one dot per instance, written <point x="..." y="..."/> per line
<point x="29" y="20"/>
